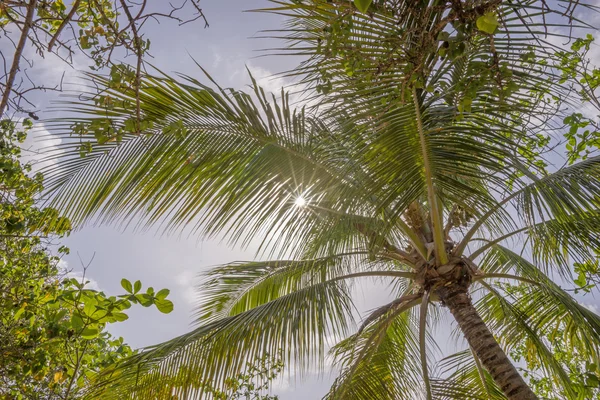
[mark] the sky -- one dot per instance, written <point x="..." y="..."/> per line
<point x="225" y="49"/>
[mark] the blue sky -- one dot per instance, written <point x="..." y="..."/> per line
<point x="225" y="49"/>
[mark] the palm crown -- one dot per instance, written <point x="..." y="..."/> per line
<point x="417" y="152"/>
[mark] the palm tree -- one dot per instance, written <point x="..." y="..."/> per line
<point x="414" y="156"/>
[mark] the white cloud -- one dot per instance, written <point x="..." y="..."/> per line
<point x="267" y="79"/>
<point x="186" y="280"/>
<point x="40" y="143"/>
<point x="43" y="74"/>
<point x="271" y="83"/>
<point x="90" y="283"/>
<point x="235" y="66"/>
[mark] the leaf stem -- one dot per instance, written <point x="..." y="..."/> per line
<point x="438" y="227"/>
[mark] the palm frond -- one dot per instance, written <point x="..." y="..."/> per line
<point x="238" y="287"/>
<point x="423" y="344"/>
<point x="220" y="161"/>
<point x="559" y="305"/>
<point x="558" y="242"/>
<point x="381" y="362"/>
<point x="459" y="378"/>
<point x="507" y="320"/>
<point x="559" y="199"/>
<point x="294" y="325"/>
<point x="526" y="313"/>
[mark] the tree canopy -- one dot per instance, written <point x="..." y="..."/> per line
<point x="417" y="147"/>
<point x="103" y="31"/>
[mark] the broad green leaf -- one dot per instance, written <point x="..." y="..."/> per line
<point x="162" y="294"/>
<point x="126" y="285"/>
<point x="20" y="311"/>
<point x="137" y="286"/>
<point x="488" y="23"/>
<point x="76" y="321"/>
<point x="164" y="306"/>
<point x="60" y="315"/>
<point x="89" y="303"/>
<point x="119" y="316"/>
<point x="144" y="299"/>
<point x="90" y="333"/>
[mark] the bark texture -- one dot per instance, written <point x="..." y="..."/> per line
<point x="484" y="344"/>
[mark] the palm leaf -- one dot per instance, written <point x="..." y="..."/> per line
<point x="381" y="362"/>
<point x="293" y="325"/>
<point x="527" y="313"/>
<point x="460" y="379"/>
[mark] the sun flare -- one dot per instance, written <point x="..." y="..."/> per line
<point x="300" y="201"/>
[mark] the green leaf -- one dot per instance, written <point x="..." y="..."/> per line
<point x="90" y="333"/>
<point x="60" y="315"/>
<point x="89" y="304"/>
<point x="362" y="5"/>
<point x="164" y="306"/>
<point x="581" y="280"/>
<point x="137" y="286"/>
<point x="488" y="23"/>
<point x="162" y="294"/>
<point x="145" y="300"/>
<point x="443" y="36"/>
<point x="20" y="311"/>
<point x="119" y="316"/>
<point x="84" y="41"/>
<point x="76" y="322"/>
<point x="126" y="285"/>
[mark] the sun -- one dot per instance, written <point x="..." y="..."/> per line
<point x="300" y="201"/>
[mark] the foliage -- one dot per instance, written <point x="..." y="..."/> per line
<point x="362" y="5"/>
<point x="421" y="154"/>
<point x="575" y="64"/>
<point x="102" y="30"/>
<point x="53" y="338"/>
<point x="583" y="374"/>
<point x="252" y="384"/>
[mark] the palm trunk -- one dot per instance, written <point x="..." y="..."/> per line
<point x="484" y="345"/>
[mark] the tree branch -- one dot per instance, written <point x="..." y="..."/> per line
<point x="138" y="50"/>
<point x="18" y="53"/>
<point x="63" y="24"/>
